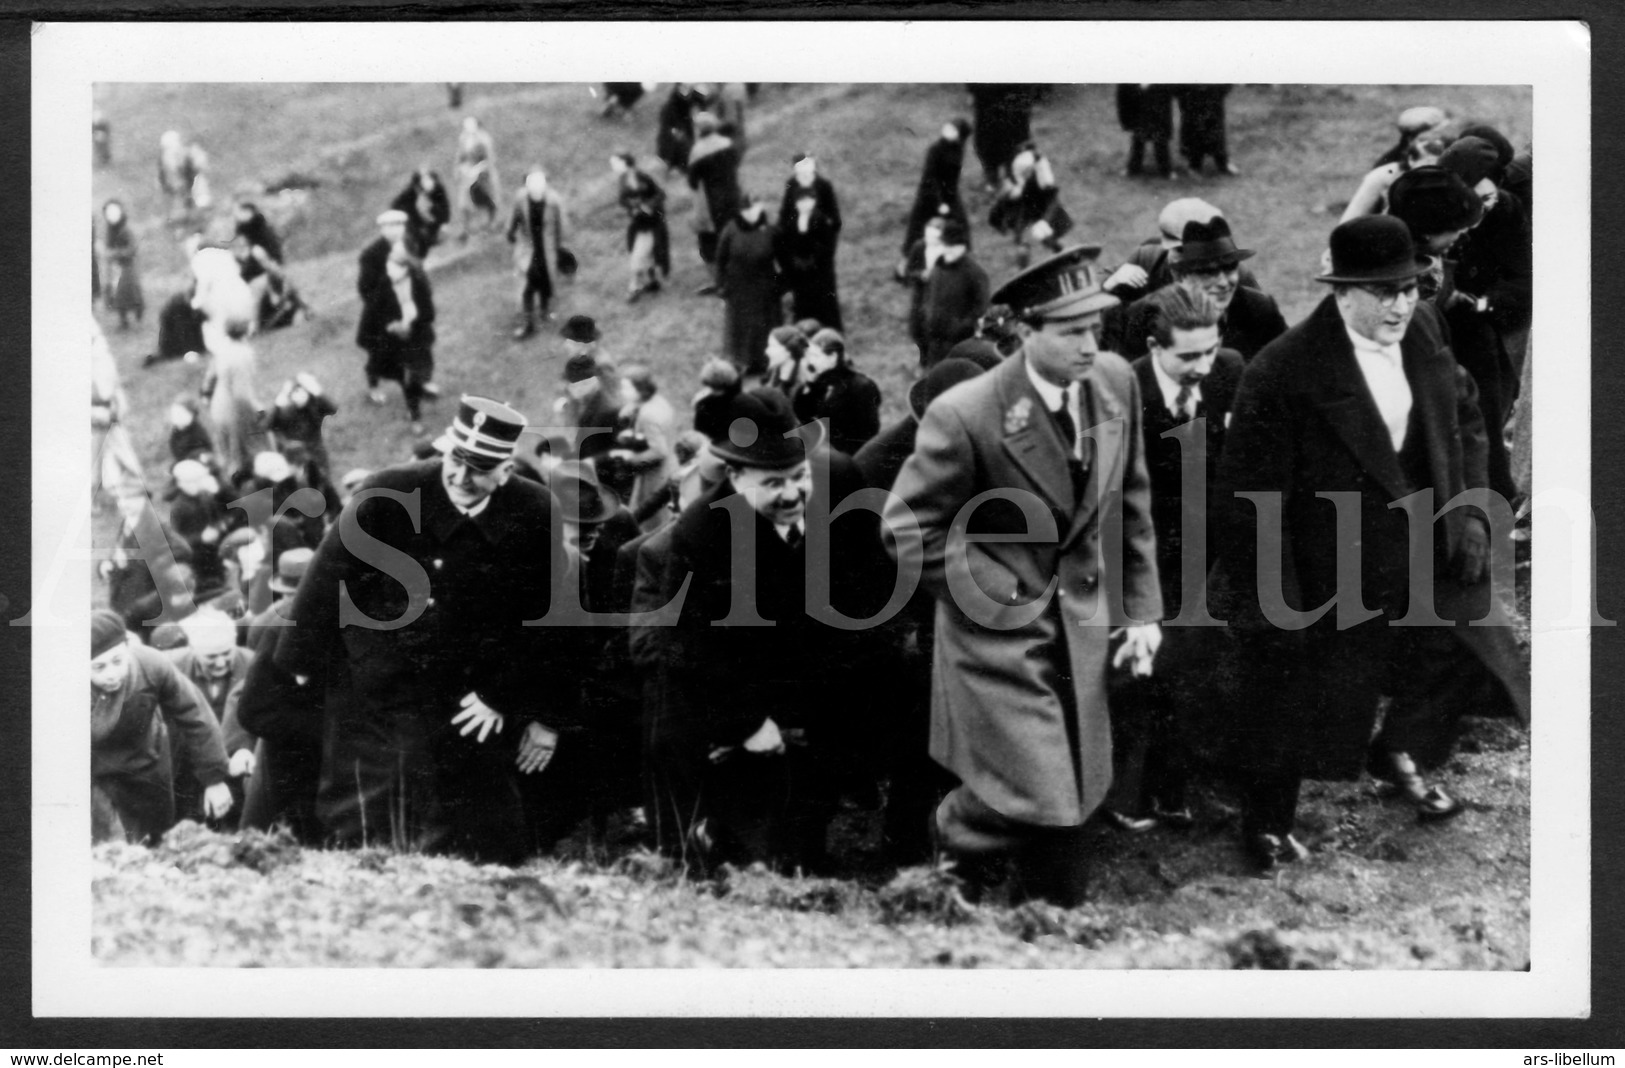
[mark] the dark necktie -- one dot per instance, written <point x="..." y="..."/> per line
<point x="1069" y="441"/>
<point x="1182" y="404"/>
<point x="792" y="537"/>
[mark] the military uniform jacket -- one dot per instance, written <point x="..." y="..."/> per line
<point x="470" y="583"/>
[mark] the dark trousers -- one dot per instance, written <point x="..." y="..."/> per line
<point x="404" y="777"/>
<point x="1050" y="863"/>
<point x="1159" y="147"/>
<point x="282" y="790"/>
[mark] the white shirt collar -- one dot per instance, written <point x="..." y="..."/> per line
<point x="1052" y="395"/>
<point x="1170" y="388"/>
<point x="1364" y="344"/>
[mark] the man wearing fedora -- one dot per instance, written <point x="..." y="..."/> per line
<point x="1029" y="488"/>
<point x="412" y="617"/>
<point x="1361" y="402"/>
<point x="1208" y="260"/>
<point x="756" y="730"/>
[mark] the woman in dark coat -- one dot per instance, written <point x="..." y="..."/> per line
<point x="1029" y="204"/>
<point x="806" y="253"/>
<point x="1201" y="127"/>
<point x="428" y="208"/>
<point x="676" y="125"/>
<point x="397" y="330"/>
<point x="123" y="285"/>
<point x="648" y="239"/>
<point x="938" y="192"/>
<point x="747" y="277"/>
<point x="832" y="388"/>
<point x="1146" y="112"/>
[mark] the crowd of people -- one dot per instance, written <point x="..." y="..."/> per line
<point x="991" y="618"/>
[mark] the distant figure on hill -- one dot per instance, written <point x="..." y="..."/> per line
<point x="536" y="232"/>
<point x="427" y="207"/>
<point x="183" y="176"/>
<point x="1001" y="120"/>
<point x="648" y="240"/>
<point x="1146" y="113"/>
<point x="478" y="187"/>
<point x="748" y="278"/>
<point x="713" y="173"/>
<point x="397" y="332"/>
<point x="938" y="192"/>
<point x="808" y="233"/>
<point x="1201" y="127"/>
<point x="123" y="287"/>
<point x="1029" y="204"/>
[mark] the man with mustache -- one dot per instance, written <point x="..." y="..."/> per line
<point x="1029" y="488"/>
<point x="758" y="722"/>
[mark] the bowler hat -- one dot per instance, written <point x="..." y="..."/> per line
<point x="290" y="568"/>
<point x="484" y="432"/>
<point x="1065" y="286"/>
<point x="1503" y="148"/>
<point x="760" y="431"/>
<point x="939" y="380"/>
<point x="1205" y="245"/>
<point x="978" y="350"/>
<point x="580" y="328"/>
<point x="1433" y="200"/>
<point x="580" y="497"/>
<point x="1374" y="248"/>
<point x="1176" y="213"/>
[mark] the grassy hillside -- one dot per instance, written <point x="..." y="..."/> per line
<point x="1381" y="892"/>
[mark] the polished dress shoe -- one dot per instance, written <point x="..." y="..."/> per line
<point x="1433" y="804"/>
<point x="1268" y="851"/>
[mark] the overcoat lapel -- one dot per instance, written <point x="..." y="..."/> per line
<point x="1031" y="438"/>
<point x="1345" y="403"/>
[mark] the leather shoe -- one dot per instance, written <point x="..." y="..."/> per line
<point x="1122" y="821"/>
<point x="1267" y="851"/>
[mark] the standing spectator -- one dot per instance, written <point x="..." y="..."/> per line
<point x="101" y="139"/>
<point x="391" y="235"/>
<point x="913" y="271"/>
<point x="397" y="332"/>
<point x="648" y="239"/>
<point x="713" y="173"/>
<point x="1019" y="706"/>
<point x="123" y="287"/>
<point x="199" y="517"/>
<point x="1146" y="112"/>
<point x="115" y="467"/>
<point x="804" y="178"/>
<point x="183" y="176"/>
<point x="1209" y="261"/>
<point x="1412" y="123"/>
<point x="188" y="437"/>
<point x="954" y="296"/>
<point x="1001" y="120"/>
<point x="646" y="447"/>
<point x="136" y="698"/>
<point x="807" y="239"/>
<point x="536" y="232"/>
<point x="297" y="415"/>
<point x="786" y="345"/>
<point x="1371" y="198"/>
<point x="234" y="405"/>
<point x="259" y="252"/>
<point x="428" y="208"/>
<point x="1028" y="207"/>
<point x="1201" y="127"/>
<point x="938" y="193"/>
<point x="1362" y="399"/>
<point x="835" y="390"/>
<point x="592" y="402"/>
<point x="747" y="277"/>
<point x="478" y="185"/>
<point x="675" y="137"/>
<point x="144" y="549"/>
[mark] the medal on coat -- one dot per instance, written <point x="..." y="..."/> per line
<point x="1019" y="415"/>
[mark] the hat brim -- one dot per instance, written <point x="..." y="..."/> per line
<point x="784" y="452"/>
<point x="445" y="444"/>
<point x="1393" y="273"/>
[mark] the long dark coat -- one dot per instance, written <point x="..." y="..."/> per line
<point x="848" y="398"/>
<point x="747" y="273"/>
<point x="1305" y="423"/>
<point x="807" y="267"/>
<point x="427" y="210"/>
<point x="644" y="202"/>
<point x="955" y="296"/>
<point x="1166" y="458"/>
<point x="389" y="356"/>
<point x="1019" y="704"/>
<point x="391" y="693"/>
<point x="938" y="190"/>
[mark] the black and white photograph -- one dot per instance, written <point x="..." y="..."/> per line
<point x="929" y="530"/>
